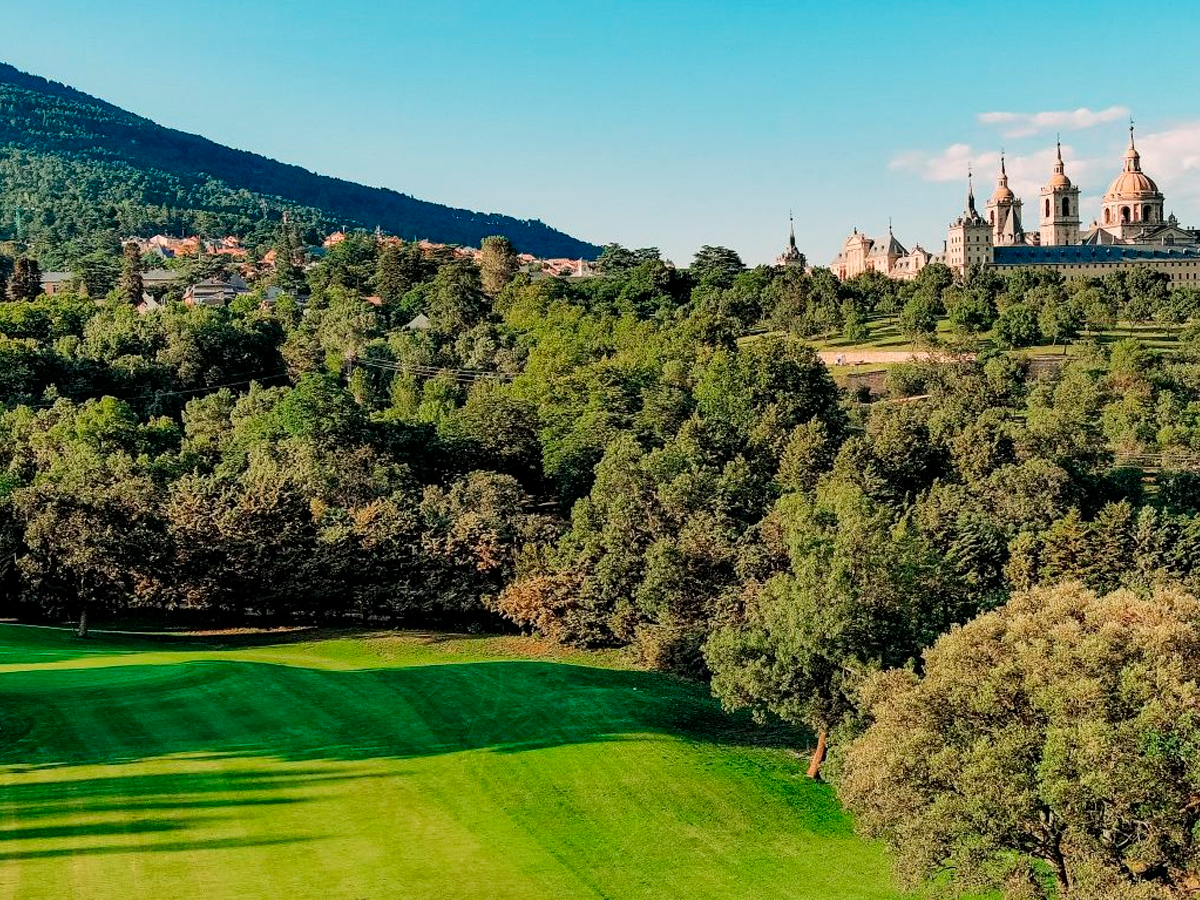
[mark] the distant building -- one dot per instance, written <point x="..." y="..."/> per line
<point x="215" y="292"/>
<point x="53" y="282"/>
<point x="420" y="322"/>
<point x="155" y="279"/>
<point x="887" y="257"/>
<point x="1132" y="231"/>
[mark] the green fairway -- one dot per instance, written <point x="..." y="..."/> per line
<point x="393" y="766"/>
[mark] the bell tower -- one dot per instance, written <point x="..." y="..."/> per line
<point x="969" y="241"/>
<point x="1060" y="208"/>
<point x="1004" y="212"/>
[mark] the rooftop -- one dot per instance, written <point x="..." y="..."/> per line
<point x="1025" y="255"/>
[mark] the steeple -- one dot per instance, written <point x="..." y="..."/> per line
<point x="791" y="257"/>
<point x="971" y="192"/>
<point x="1133" y="159"/>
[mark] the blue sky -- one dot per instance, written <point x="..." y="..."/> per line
<point x="669" y="123"/>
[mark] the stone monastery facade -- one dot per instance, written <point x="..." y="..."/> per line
<point x="1132" y="231"/>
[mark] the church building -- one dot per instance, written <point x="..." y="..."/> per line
<point x="1132" y="231"/>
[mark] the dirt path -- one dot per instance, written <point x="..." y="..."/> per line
<point x="867" y="357"/>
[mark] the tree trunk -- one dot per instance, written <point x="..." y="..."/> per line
<point x="818" y="756"/>
<point x="1059" y="862"/>
<point x="82" y="630"/>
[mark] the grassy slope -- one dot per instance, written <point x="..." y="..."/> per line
<point x="885" y="335"/>
<point x="396" y="766"/>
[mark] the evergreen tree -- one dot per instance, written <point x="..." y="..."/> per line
<point x="392" y="276"/>
<point x="97" y="272"/>
<point x="6" y="271"/>
<point x="130" y="286"/>
<point x="289" y="273"/>
<point x="716" y="265"/>
<point x="26" y="282"/>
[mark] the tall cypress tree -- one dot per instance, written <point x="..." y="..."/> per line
<point x="6" y="270"/>
<point x="289" y="273"/>
<point x="26" y="282"/>
<point x="131" y="286"/>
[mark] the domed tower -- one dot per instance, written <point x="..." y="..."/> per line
<point x="1133" y="203"/>
<point x="1060" y="208"/>
<point x="1004" y="213"/>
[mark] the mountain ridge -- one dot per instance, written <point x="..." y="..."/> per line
<point x="62" y="149"/>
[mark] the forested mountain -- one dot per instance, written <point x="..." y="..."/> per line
<point x="74" y="165"/>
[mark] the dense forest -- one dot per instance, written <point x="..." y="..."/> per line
<point x="630" y="461"/>
<point x="69" y="163"/>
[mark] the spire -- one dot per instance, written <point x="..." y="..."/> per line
<point x="791" y="230"/>
<point x="1133" y="159"/>
<point x="1003" y="174"/>
<point x="970" y="192"/>
<point x="1059" y="167"/>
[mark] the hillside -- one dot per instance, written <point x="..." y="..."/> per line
<point x="412" y="766"/>
<point x="77" y="165"/>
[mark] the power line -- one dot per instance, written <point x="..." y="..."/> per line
<point x="462" y="376"/>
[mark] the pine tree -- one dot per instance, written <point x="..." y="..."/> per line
<point x="6" y="270"/>
<point x="26" y="283"/>
<point x="1114" y="545"/>
<point x="130" y="286"/>
<point x="289" y="273"/>
<point x="391" y="281"/>
<point x="1067" y="550"/>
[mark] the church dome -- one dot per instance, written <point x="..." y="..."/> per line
<point x="1132" y="183"/>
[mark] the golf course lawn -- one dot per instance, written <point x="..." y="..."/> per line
<point x="410" y="766"/>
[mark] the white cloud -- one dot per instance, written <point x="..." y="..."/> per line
<point x="1018" y="125"/>
<point x="949" y="165"/>
<point x="1026" y="172"/>
<point x="1172" y="158"/>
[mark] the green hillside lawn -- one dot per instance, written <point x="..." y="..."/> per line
<point x="410" y="766"/>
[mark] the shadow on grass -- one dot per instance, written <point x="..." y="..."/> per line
<point x="221" y="716"/>
<point x="253" y="708"/>
<point x="181" y="802"/>
<point x="167" y="847"/>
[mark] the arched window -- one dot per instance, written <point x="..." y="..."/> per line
<point x="1147" y="213"/>
<point x="1066" y="206"/>
<point x="1108" y="217"/>
<point x="1125" y="217"/>
<point x="1047" y="208"/>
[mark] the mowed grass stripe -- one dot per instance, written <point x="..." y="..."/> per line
<point x="394" y="766"/>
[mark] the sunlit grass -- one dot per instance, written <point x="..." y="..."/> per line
<point x="380" y="766"/>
